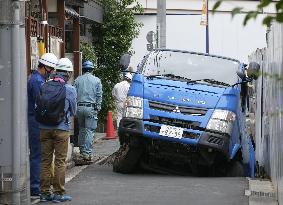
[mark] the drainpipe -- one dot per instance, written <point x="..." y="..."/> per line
<point x="207" y="29"/>
<point x="24" y="127"/>
<point x="16" y="103"/>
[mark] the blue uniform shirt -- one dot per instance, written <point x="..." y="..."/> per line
<point x="70" y="110"/>
<point x="89" y="89"/>
<point x="34" y="84"/>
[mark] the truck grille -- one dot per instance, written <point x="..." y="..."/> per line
<point x="152" y="128"/>
<point x="175" y="122"/>
<point x="215" y="140"/>
<point x="184" y="110"/>
<point x="156" y="129"/>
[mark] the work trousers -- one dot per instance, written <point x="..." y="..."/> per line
<point x="34" y="147"/>
<point x="53" y="142"/>
<point x="87" y="119"/>
<point x="119" y="112"/>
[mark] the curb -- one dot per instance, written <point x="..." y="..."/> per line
<point x="261" y="192"/>
<point x="72" y="170"/>
<point x="100" y="161"/>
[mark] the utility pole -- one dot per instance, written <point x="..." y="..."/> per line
<point x="204" y="22"/>
<point x="161" y="24"/>
<point x="14" y="184"/>
<point x="207" y="28"/>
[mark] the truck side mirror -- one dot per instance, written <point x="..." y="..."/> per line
<point x="125" y="61"/>
<point x="253" y="70"/>
<point x="241" y="75"/>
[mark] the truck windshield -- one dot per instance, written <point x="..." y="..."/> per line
<point x="192" y="66"/>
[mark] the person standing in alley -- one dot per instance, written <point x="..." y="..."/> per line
<point x="89" y="89"/>
<point x="56" y="104"/>
<point x="46" y="65"/>
<point x="119" y="93"/>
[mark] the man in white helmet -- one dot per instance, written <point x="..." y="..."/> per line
<point x="119" y="93"/>
<point x="46" y="65"/>
<point x="56" y="105"/>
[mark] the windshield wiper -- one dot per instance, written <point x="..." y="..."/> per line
<point x="154" y="76"/>
<point x="176" y="77"/>
<point x="211" y="81"/>
<point x="189" y="81"/>
<point x="168" y="76"/>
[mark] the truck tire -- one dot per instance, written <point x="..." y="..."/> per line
<point x="126" y="159"/>
<point x="236" y="169"/>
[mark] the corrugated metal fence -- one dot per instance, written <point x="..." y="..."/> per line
<point x="269" y="107"/>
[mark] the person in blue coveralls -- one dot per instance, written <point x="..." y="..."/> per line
<point x="46" y="65"/>
<point x="89" y="90"/>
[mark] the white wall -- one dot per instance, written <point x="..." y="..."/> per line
<point x="230" y="38"/>
<point x="227" y="37"/>
<point x="196" y="5"/>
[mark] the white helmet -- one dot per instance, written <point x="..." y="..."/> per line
<point x="64" y="64"/>
<point x="128" y="76"/>
<point x="48" y="59"/>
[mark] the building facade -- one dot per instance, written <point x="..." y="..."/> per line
<point x="59" y="26"/>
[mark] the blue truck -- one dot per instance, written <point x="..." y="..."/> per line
<point x="185" y="113"/>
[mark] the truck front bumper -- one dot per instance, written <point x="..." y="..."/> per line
<point x="132" y="130"/>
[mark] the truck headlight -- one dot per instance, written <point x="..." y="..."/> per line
<point x="132" y="101"/>
<point x="222" y="121"/>
<point x="134" y="107"/>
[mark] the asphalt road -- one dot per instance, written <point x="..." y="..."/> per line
<point x="98" y="185"/>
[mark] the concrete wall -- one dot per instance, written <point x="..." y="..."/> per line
<point x="228" y="37"/>
<point x="269" y="108"/>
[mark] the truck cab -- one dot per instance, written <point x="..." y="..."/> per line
<point x="185" y="111"/>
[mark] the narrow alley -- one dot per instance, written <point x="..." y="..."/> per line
<point x="141" y="102"/>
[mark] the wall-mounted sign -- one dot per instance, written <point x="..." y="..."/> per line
<point x="34" y="56"/>
<point x="55" y="46"/>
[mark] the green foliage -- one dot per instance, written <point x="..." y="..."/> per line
<point x="112" y="39"/>
<point x="216" y="6"/>
<point x="88" y="52"/>
<point x="253" y="14"/>
<point x="236" y="10"/>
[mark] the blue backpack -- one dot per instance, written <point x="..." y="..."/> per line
<point x="50" y="103"/>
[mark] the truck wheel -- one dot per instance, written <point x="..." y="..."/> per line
<point x="236" y="169"/>
<point x="126" y="159"/>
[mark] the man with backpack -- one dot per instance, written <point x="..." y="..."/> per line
<point x="89" y="89"/>
<point x="56" y="104"/>
<point x="46" y="65"/>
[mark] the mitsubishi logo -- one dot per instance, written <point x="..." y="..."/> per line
<point x="201" y="102"/>
<point x="177" y="110"/>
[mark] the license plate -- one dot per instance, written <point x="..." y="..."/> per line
<point x="170" y="131"/>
